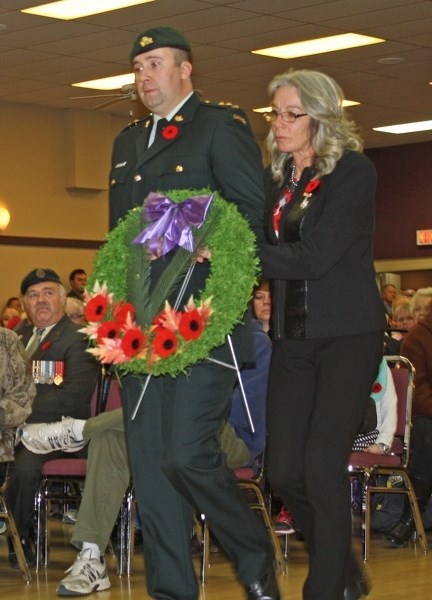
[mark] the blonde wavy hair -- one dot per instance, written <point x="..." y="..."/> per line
<point x="332" y="131"/>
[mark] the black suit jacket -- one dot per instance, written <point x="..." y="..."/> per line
<point x="215" y="149"/>
<point x="327" y="250"/>
<point x="72" y="397"/>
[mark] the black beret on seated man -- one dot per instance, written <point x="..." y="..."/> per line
<point x="65" y="376"/>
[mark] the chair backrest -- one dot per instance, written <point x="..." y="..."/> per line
<point x="403" y="373"/>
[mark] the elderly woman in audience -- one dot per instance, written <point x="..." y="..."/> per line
<point x="10" y="317"/>
<point x="417" y="347"/>
<point x="420" y="302"/>
<point x="75" y="310"/>
<point x="17" y="391"/>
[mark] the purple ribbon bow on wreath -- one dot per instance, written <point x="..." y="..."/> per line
<point x="172" y="221"/>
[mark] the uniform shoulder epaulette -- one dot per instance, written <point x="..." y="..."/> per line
<point x="237" y="113"/>
<point x="135" y="123"/>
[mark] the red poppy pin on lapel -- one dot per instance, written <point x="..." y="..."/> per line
<point x="170" y="132"/>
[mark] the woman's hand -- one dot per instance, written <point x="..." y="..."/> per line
<point x="202" y="254"/>
<point x="374" y="449"/>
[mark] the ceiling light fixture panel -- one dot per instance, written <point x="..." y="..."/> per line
<point x="331" y="43"/>
<point x="76" y="9"/>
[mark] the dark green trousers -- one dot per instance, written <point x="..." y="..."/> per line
<point x="177" y="466"/>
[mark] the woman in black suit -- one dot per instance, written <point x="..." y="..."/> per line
<point x="327" y="319"/>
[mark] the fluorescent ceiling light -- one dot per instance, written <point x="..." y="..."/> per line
<point x="345" y="103"/>
<point x="107" y="83"/>
<point x="75" y="9"/>
<point x="319" y="45"/>
<point x="406" y="127"/>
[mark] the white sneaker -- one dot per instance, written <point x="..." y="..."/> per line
<point x="42" y="438"/>
<point x="87" y="575"/>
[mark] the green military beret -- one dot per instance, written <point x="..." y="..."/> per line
<point x="158" y="37"/>
<point x="38" y="276"/>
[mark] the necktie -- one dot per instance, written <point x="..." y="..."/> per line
<point x="34" y="342"/>
<point x="157" y="130"/>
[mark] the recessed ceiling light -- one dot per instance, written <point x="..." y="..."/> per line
<point x="406" y="127"/>
<point x="391" y="60"/>
<point x="319" y="45"/>
<point x="107" y="83"/>
<point x="75" y="9"/>
<point x="345" y="103"/>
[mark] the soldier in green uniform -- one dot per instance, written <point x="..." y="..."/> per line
<point x="176" y="460"/>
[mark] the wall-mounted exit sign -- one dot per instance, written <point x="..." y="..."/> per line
<point x="424" y="237"/>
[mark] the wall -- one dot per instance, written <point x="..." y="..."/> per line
<point x="33" y="176"/>
<point x="404" y="199"/>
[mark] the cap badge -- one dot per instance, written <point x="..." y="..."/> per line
<point x="146" y="41"/>
<point x="40" y="273"/>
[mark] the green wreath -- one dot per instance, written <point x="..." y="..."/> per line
<point x="233" y="270"/>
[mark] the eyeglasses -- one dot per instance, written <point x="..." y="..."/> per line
<point x="287" y="116"/>
<point x="75" y="316"/>
<point x="421" y="309"/>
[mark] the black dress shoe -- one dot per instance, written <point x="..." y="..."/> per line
<point x="357" y="589"/>
<point x="265" y="588"/>
<point x="28" y="554"/>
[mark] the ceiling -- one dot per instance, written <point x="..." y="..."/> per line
<point x="41" y="57"/>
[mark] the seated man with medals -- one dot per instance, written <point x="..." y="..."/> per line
<point x="65" y="376"/>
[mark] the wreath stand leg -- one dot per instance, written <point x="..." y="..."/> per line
<point x="240" y="380"/>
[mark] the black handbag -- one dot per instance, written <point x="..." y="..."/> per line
<point x="370" y="419"/>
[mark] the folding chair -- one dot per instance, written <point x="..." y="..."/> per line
<point x="370" y="466"/>
<point x="6" y="515"/>
<point x="253" y="485"/>
<point x="70" y="473"/>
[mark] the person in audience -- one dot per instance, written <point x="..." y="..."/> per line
<point x="75" y="310"/>
<point x="420" y="303"/>
<point x="108" y="471"/>
<point x="10" y="317"/>
<point x="379" y="439"/>
<point x="65" y="375"/>
<point x="327" y="317"/>
<point x="388" y="294"/>
<point x="14" y="302"/>
<point x="77" y="281"/>
<point x="417" y="347"/>
<point x="17" y="391"/>
<point x="261" y="304"/>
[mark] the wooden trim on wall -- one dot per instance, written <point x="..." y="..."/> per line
<point x="403" y="264"/>
<point x="15" y="240"/>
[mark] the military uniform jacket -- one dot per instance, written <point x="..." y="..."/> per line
<point x="72" y="396"/>
<point x="213" y="147"/>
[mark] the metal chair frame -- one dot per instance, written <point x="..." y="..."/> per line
<point x="7" y="516"/>
<point x="396" y="463"/>
<point x="253" y="487"/>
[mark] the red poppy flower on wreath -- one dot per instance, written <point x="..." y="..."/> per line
<point x="165" y="342"/>
<point x="96" y="308"/>
<point x="133" y="341"/>
<point x="121" y="310"/>
<point x="108" y="329"/>
<point x="377" y="387"/>
<point x="170" y="132"/>
<point x="312" y="186"/>
<point x="191" y="325"/>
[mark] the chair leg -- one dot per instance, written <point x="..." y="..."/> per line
<point x="261" y="507"/>
<point x="418" y="521"/>
<point x="16" y="542"/>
